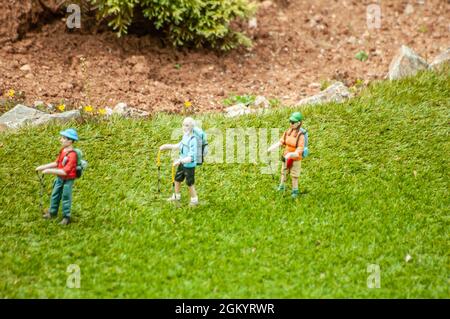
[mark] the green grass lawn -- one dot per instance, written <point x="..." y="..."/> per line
<point x="374" y="190"/>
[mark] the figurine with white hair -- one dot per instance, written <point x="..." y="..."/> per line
<point x="186" y="162"/>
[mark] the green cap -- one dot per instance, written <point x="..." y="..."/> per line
<point x="296" y="117"/>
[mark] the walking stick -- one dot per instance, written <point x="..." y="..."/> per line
<point x="41" y="191"/>
<point x="158" y="163"/>
<point x="173" y="179"/>
<point x="271" y="170"/>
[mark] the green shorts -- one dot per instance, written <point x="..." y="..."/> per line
<point x="185" y="172"/>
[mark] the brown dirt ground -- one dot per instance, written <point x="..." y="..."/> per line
<point x="294" y="46"/>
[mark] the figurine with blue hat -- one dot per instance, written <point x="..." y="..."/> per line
<point x="65" y="169"/>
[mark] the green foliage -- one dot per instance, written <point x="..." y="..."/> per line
<point x="362" y="56"/>
<point x="184" y="22"/>
<point x="274" y="103"/>
<point x="324" y="84"/>
<point x="374" y="190"/>
<point x="235" y="99"/>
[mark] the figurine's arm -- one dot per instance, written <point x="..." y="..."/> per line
<point x="169" y="147"/>
<point x="274" y="147"/>
<point x="55" y="171"/>
<point x="46" y="166"/>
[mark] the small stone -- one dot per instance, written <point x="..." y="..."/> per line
<point x="406" y="63"/>
<point x="409" y="9"/>
<point x="121" y="109"/>
<point x="36" y="104"/>
<point x="25" y="68"/>
<point x="441" y="59"/>
<point x="22" y="115"/>
<point x="109" y="111"/>
<point x="237" y="110"/>
<point x="261" y="101"/>
<point x="253" y="23"/>
<point x="336" y="93"/>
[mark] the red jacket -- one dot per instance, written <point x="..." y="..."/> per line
<point x="68" y="164"/>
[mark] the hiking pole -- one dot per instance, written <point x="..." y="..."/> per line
<point x="271" y="170"/>
<point x="158" y="163"/>
<point x="41" y="192"/>
<point x="173" y="179"/>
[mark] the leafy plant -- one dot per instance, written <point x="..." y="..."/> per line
<point x="184" y="22"/>
<point x="362" y="56"/>
<point x="274" y="103"/>
<point x="324" y="84"/>
<point x="235" y="99"/>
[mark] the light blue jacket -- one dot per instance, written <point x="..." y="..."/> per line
<point x="188" y="147"/>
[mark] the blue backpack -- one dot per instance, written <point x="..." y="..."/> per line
<point x="202" y="145"/>
<point x="305" y="148"/>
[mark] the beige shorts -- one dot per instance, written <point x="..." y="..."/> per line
<point x="294" y="171"/>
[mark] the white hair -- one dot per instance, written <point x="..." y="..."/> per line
<point x="189" y="121"/>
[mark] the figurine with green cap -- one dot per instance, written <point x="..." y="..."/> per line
<point x="293" y="141"/>
<point x="64" y="168"/>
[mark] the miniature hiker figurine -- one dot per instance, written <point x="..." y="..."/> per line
<point x="65" y="169"/>
<point x="186" y="162"/>
<point x="294" y="141"/>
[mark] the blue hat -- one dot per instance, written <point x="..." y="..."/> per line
<point x="70" y="133"/>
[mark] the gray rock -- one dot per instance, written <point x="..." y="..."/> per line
<point x="124" y="110"/>
<point x="259" y="106"/>
<point x="337" y="93"/>
<point x="238" y="110"/>
<point x="253" y="23"/>
<point x="25" y="68"/>
<point x="409" y="9"/>
<point x="261" y="102"/>
<point x="36" y="104"/>
<point x="65" y="116"/>
<point x="406" y="63"/>
<point x="441" y="59"/>
<point x="121" y="109"/>
<point x="138" y="113"/>
<point x="22" y="115"/>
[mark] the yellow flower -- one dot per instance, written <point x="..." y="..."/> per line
<point x="61" y="107"/>
<point x="11" y="93"/>
<point x="88" y="108"/>
<point x="102" y="111"/>
<point x="187" y="104"/>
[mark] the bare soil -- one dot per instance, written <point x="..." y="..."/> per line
<point x="297" y="45"/>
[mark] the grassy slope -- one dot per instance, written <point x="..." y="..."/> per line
<point x="361" y="204"/>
